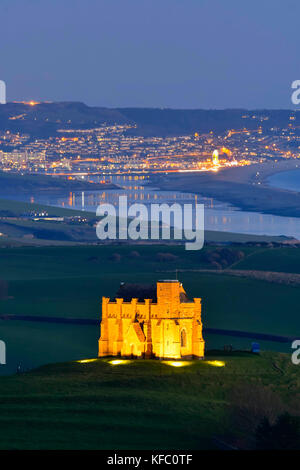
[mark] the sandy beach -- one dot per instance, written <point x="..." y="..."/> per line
<point x="244" y="187"/>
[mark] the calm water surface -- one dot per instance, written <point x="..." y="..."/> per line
<point x="218" y="216"/>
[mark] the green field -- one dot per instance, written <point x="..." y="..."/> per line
<point x="32" y="344"/>
<point x="139" y="405"/>
<point x="15" y="230"/>
<point x="276" y="259"/>
<point x="17" y="208"/>
<point x="70" y="282"/>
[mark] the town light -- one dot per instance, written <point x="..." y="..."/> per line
<point x="215" y="157"/>
<point x="118" y="362"/>
<point x="178" y="363"/>
<point x="216" y="363"/>
<point x="83" y="361"/>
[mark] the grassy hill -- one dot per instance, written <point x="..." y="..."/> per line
<point x="16" y="208"/>
<point x="69" y="282"/>
<point x="279" y="260"/>
<point x="42" y="232"/>
<point x="15" y="183"/>
<point x="143" y="404"/>
<point x="44" y="119"/>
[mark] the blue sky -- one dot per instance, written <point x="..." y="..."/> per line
<point x="151" y="53"/>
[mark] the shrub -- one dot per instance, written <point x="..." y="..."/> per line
<point x="166" y="257"/>
<point x="134" y="254"/>
<point x="283" y="434"/>
<point x="116" y="257"/>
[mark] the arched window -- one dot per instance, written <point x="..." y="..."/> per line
<point x="183" y="338"/>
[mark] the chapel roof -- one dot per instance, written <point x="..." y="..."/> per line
<point x="128" y="291"/>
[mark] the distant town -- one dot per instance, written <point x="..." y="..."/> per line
<point x="118" y="149"/>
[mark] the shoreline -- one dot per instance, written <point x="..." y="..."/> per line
<point x="245" y="188"/>
<point x="267" y="182"/>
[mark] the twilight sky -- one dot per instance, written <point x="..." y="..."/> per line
<point x="151" y="53"/>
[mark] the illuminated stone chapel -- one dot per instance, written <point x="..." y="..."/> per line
<point x="152" y="322"/>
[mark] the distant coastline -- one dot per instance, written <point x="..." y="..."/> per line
<point x="246" y="188"/>
<point x="11" y="183"/>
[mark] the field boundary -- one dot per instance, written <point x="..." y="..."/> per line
<point x="288" y="279"/>
<point x="92" y="321"/>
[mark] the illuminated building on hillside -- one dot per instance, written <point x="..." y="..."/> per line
<point x="149" y="321"/>
<point x="215" y="157"/>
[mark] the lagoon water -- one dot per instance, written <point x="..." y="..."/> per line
<point x="218" y="216"/>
